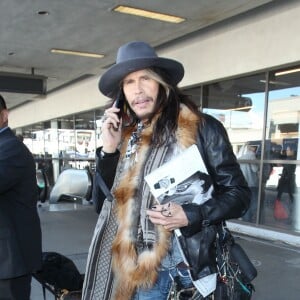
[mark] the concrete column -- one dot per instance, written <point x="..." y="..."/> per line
<point x="55" y="154"/>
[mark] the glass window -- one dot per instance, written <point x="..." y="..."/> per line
<point x="195" y="95"/>
<point x="281" y="151"/>
<point x="98" y="123"/>
<point x="66" y="142"/>
<point x="239" y="105"/>
<point x="84" y="135"/>
<point x="84" y="139"/>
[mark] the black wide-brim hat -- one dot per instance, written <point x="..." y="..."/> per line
<point x="136" y="56"/>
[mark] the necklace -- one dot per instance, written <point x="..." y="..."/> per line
<point x="133" y="142"/>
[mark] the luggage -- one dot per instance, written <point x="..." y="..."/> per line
<point x="60" y="276"/>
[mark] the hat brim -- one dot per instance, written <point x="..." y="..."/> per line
<point x="111" y="79"/>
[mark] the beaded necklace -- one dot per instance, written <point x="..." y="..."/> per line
<point x="133" y="142"/>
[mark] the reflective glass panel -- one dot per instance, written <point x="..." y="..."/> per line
<point x="281" y="207"/>
<point x="239" y="105"/>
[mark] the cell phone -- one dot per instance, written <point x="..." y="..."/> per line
<point x="119" y="102"/>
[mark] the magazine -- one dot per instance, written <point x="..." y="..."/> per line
<point x="184" y="176"/>
<point x="174" y="172"/>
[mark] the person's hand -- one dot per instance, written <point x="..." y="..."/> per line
<point x="170" y="215"/>
<point x="111" y="130"/>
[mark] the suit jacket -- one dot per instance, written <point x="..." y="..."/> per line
<point x="20" y="230"/>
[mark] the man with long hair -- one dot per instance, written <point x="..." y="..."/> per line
<point x="134" y="253"/>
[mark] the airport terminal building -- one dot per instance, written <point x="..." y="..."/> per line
<point x="245" y="71"/>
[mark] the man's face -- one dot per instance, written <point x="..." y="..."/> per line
<point x="3" y="118"/>
<point x="141" y="92"/>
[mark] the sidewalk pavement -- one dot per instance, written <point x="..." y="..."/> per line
<point x="67" y="228"/>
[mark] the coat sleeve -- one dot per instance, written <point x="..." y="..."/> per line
<point x="231" y="196"/>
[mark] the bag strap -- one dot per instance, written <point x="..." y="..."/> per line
<point x="44" y="292"/>
<point x="101" y="183"/>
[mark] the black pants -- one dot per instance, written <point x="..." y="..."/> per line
<point x="15" y="288"/>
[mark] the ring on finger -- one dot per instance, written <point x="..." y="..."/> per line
<point x="166" y="212"/>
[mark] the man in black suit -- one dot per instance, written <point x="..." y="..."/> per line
<point x="20" y="230"/>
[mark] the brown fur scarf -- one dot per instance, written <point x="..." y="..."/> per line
<point x="130" y="269"/>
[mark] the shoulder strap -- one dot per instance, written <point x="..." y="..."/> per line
<point x="101" y="183"/>
<point x="44" y="292"/>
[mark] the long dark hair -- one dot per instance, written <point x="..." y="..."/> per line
<point x="169" y="99"/>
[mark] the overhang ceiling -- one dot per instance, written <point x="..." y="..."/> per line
<point x="30" y="28"/>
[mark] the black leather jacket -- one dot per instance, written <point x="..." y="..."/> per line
<point x="230" y="199"/>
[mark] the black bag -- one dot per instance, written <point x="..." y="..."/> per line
<point x="235" y="273"/>
<point x="60" y="272"/>
<point x="235" y="270"/>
